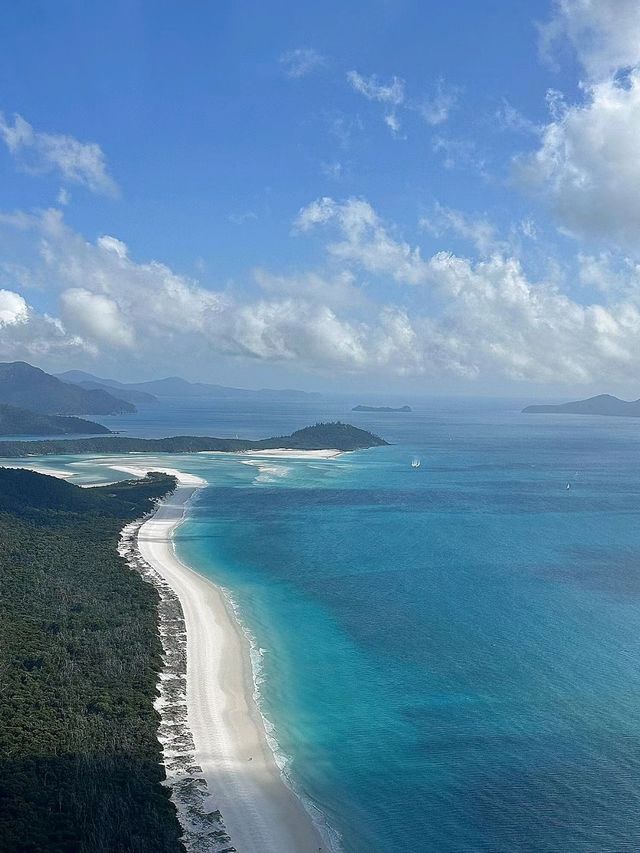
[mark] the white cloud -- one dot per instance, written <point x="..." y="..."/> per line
<point x="301" y="61"/>
<point x="96" y="317"/>
<point x="64" y="197"/>
<point x="587" y="167"/>
<point x="476" y="230"/>
<point x="493" y="321"/>
<point x="436" y="109"/>
<point x="509" y="118"/>
<point x="13" y="308"/>
<point x="605" y="34"/>
<point x="445" y="315"/>
<point x="391" y="94"/>
<point x="41" y="153"/>
<point x="459" y="153"/>
<point x="366" y="242"/>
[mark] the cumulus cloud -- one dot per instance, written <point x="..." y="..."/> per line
<point x="605" y="34"/>
<point x="301" y="61"/>
<point x="587" y="166"/>
<point x="96" y="317"/>
<point x="13" y="308"/>
<point x="366" y="240"/>
<point x="493" y="320"/>
<point x="41" y="153"/>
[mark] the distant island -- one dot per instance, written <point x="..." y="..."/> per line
<point x="174" y="386"/>
<point x="602" y="404"/>
<point x="17" y="421"/>
<point x="30" y="388"/>
<point x="323" y="436"/>
<point x="381" y="409"/>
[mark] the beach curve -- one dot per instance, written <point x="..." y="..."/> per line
<point x="260" y="812"/>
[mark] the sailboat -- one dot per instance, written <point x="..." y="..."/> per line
<point x="568" y="485"/>
<point x="415" y="462"/>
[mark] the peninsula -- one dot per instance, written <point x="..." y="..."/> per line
<point x="602" y="404"/>
<point x="381" y="409"/>
<point x="322" y="436"/>
<point x="17" y="421"/>
<point x="80" y="656"/>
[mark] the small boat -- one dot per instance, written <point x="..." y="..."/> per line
<point x="568" y="485"/>
<point x="415" y="462"/>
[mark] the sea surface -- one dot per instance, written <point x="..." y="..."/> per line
<point x="448" y="656"/>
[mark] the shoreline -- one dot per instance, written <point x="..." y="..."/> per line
<point x="231" y="749"/>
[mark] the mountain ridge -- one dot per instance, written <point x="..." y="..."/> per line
<point x="176" y="386"/>
<point x="29" y="387"/>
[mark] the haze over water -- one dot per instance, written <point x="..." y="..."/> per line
<point x="450" y="654"/>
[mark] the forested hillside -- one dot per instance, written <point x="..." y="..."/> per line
<point x="79" y="758"/>
<point x="325" y="436"/>
<point x="17" y="421"/>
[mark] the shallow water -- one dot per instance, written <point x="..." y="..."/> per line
<point x="449" y="654"/>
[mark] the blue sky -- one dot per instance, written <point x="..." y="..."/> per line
<point x="383" y="194"/>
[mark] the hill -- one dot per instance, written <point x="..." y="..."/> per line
<point x="79" y="655"/>
<point x="17" y="421"/>
<point x="31" y="388"/>
<point x="93" y="383"/>
<point x="329" y="436"/>
<point x="603" y="404"/>
<point x="175" y="386"/>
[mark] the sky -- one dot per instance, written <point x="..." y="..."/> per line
<point x="387" y="195"/>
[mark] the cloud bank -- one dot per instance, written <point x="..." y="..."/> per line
<point x="486" y="317"/>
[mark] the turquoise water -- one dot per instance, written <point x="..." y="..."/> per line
<point x="450" y="655"/>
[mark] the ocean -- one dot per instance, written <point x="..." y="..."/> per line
<point x="448" y="657"/>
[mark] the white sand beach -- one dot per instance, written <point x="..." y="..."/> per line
<point x="284" y="453"/>
<point x="260" y="811"/>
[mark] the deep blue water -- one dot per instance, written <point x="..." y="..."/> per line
<point x="451" y="654"/>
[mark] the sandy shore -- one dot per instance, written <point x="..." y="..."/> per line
<point x="284" y="453"/>
<point x="260" y="812"/>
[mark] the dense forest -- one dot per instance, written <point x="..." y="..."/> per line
<point x="325" y="436"/>
<point x="17" y="421"/>
<point x="80" y="764"/>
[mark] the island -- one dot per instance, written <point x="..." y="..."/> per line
<point x="321" y="436"/>
<point x="602" y="404"/>
<point x="381" y="409"/>
<point x="17" y="421"/>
